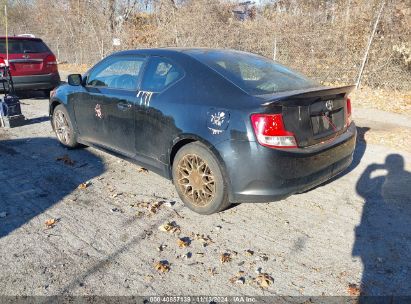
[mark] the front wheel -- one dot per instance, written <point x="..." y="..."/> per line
<point x="63" y="127"/>
<point x="198" y="179"/>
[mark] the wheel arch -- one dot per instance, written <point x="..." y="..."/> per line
<point x="53" y="104"/>
<point x="183" y="140"/>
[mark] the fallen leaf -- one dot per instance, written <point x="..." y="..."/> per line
<point x="225" y="258"/>
<point x="142" y="170"/>
<point x="354" y="290"/>
<point x="66" y="160"/>
<point x="140" y="205"/>
<point x="155" y="207"/>
<point x="161" y="247"/>
<point x="162" y="266"/>
<point x="170" y="227"/>
<point x="183" y="242"/>
<point x="264" y="280"/>
<point x="50" y="223"/>
<point x="262" y="257"/>
<point x="238" y="278"/>
<point x="249" y="252"/>
<point x="85" y="185"/>
<point x="212" y="271"/>
<point x="117" y="194"/>
<point x="205" y="240"/>
<point x="148" y="277"/>
<point x="139" y="214"/>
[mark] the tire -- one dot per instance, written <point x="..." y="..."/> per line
<point x="46" y="93"/>
<point x="198" y="179"/>
<point x="63" y="127"/>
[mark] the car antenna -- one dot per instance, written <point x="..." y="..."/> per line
<point x="7" y="36"/>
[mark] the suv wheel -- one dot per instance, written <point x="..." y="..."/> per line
<point x="46" y="93"/>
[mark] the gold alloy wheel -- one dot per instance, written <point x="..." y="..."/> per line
<point x="196" y="180"/>
<point x="61" y="127"/>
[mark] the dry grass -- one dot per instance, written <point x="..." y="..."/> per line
<point x="325" y="40"/>
<point x="74" y="68"/>
<point x="395" y="138"/>
<point x="383" y="99"/>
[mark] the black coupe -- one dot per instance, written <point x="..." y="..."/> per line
<point x="225" y="126"/>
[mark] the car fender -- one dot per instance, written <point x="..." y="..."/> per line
<point x="186" y="138"/>
<point x="60" y="96"/>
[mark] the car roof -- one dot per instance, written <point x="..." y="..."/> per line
<point x="172" y="51"/>
<point x="20" y="38"/>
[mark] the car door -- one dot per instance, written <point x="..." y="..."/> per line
<point x="158" y="127"/>
<point x="107" y="117"/>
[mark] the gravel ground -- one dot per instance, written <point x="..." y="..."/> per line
<point x="348" y="236"/>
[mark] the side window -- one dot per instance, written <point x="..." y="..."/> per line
<point x="121" y="72"/>
<point x="160" y="73"/>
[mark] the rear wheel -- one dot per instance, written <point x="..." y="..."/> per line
<point x="63" y="127"/>
<point x="46" y="93"/>
<point x="198" y="179"/>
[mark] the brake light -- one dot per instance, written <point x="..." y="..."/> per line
<point x="349" y="117"/>
<point x="270" y="131"/>
<point x="51" y="63"/>
<point x="51" y="60"/>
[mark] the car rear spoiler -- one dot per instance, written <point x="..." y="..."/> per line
<point x="307" y="94"/>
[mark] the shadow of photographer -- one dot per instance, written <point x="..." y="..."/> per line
<point x="383" y="238"/>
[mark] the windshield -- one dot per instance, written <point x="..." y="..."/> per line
<point x="20" y="46"/>
<point x="254" y="74"/>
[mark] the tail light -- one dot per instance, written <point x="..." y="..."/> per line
<point x="51" y="63"/>
<point x="349" y="117"/>
<point x="270" y="131"/>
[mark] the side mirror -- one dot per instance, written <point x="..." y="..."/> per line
<point x="74" y="79"/>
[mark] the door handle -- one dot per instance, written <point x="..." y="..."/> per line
<point x="124" y="106"/>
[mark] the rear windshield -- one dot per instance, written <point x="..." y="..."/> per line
<point x="23" y="46"/>
<point x="254" y="74"/>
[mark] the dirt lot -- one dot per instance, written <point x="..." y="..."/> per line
<point x="349" y="236"/>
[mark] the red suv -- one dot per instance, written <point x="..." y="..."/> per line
<point x="32" y="64"/>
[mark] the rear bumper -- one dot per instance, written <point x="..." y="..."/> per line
<point x="260" y="174"/>
<point x="36" y="82"/>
